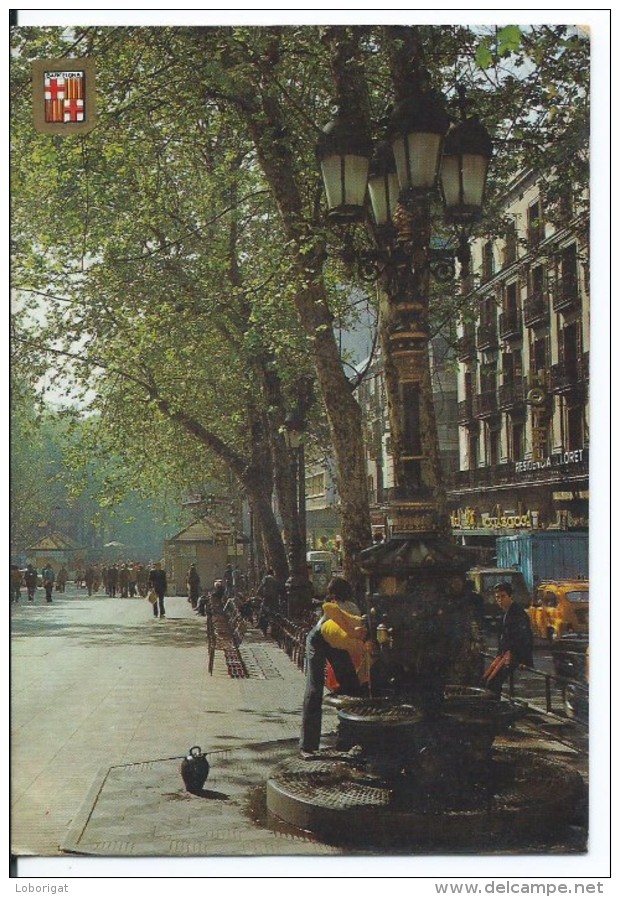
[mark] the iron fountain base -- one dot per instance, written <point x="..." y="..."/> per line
<point x="398" y="779"/>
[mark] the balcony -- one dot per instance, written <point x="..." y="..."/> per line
<point x="465" y="411"/>
<point x="485" y="404"/>
<point x="510" y="324"/>
<point x="567" y="378"/>
<point x="566" y="296"/>
<point x="487" y="335"/>
<point x="536" y="309"/>
<point x="511" y="395"/>
<point x="466" y="344"/>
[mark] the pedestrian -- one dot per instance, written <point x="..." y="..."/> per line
<point x="228" y="581"/>
<point x="123" y="580"/>
<point x="318" y="652"/>
<point x="112" y="580"/>
<point x="143" y="580"/>
<point x="270" y="593"/>
<point x="89" y="579"/>
<point x="30" y="578"/>
<point x="104" y="579"/>
<point x="15" y="583"/>
<point x="159" y="584"/>
<point x="61" y="579"/>
<point x="132" y="580"/>
<point x="237" y="581"/>
<point x="193" y="585"/>
<point x="48" y="581"/>
<point x="516" y="642"/>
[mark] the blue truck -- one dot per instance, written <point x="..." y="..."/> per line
<point x="545" y="555"/>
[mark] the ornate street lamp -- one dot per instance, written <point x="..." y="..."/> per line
<point x="383" y="187"/>
<point x="417" y="574"/>
<point x="344" y="154"/>
<point x="467" y="152"/>
<point x="416" y="131"/>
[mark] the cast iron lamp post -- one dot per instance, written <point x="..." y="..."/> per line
<point x="298" y="586"/>
<point x="415" y="577"/>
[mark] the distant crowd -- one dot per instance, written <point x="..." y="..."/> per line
<point x="122" y="580"/>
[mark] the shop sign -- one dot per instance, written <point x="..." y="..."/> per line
<point x="512" y="521"/>
<point x="464" y="518"/>
<point x="561" y="459"/>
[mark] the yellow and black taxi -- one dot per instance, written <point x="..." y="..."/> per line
<point x="560" y="607"/>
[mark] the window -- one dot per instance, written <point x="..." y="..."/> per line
<point x="574" y="428"/>
<point x="315" y="485"/>
<point x="510" y="248"/>
<point x="488" y="261"/>
<point x="535" y="225"/>
<point x="492" y="444"/>
<point x="517" y="434"/>
<point x="473" y="451"/>
<point x="538" y="280"/>
<point x="539" y="355"/>
<point x="510" y="302"/>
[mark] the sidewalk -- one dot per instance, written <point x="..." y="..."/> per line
<point x="106" y="700"/>
<point x="100" y="683"/>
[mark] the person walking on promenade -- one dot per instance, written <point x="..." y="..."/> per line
<point x="193" y="585"/>
<point x="228" y="581"/>
<point x="318" y="652"/>
<point x="31" y="578"/>
<point x="132" y="580"/>
<point x="61" y="579"/>
<point x="159" y="584"/>
<point x="89" y="578"/>
<point x="516" y="643"/>
<point x="270" y="591"/>
<point x="15" y="583"/>
<point x="123" y="580"/>
<point x="143" y="580"/>
<point x="112" y="580"/>
<point x="48" y="581"/>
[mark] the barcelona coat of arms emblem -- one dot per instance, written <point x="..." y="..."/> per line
<point x="64" y="95"/>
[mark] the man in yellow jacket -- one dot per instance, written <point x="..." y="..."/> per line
<point x="338" y="637"/>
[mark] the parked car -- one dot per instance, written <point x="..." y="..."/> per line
<point x="571" y="661"/>
<point x="485" y="579"/>
<point x="560" y="607"/>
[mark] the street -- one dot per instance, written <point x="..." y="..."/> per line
<point x="97" y="682"/>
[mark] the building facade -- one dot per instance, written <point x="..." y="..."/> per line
<point x="523" y="382"/>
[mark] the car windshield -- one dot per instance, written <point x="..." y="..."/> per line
<point x="580" y="597"/>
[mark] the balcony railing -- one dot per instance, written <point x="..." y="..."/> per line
<point x="465" y="410"/>
<point x="567" y="377"/>
<point x="487" y="335"/>
<point x="536" y="309"/>
<point x="511" y="395"/>
<point x="466" y="345"/>
<point x="485" y="404"/>
<point x="510" y="324"/>
<point x="566" y="295"/>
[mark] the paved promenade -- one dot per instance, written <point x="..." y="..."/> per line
<point x="100" y="683"/>
<point x="107" y="699"/>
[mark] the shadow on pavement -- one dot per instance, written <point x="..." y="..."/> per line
<point x="178" y="632"/>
